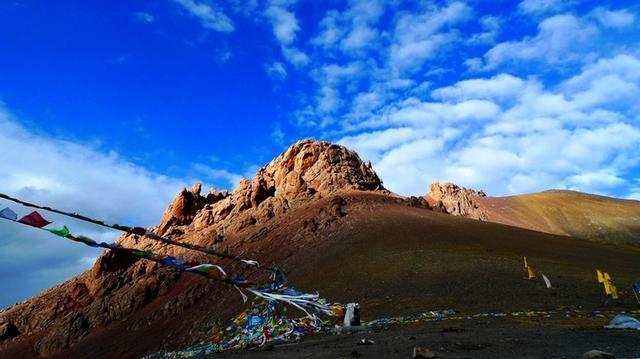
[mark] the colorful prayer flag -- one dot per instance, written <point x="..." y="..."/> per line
<point x="61" y="232"/>
<point x="9" y="214"/>
<point x="34" y="219"/>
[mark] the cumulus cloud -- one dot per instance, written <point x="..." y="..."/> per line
<point x="481" y="134"/>
<point x="491" y="27"/>
<point x="284" y="24"/>
<point x="557" y="38"/>
<point x="417" y="36"/>
<point x="209" y="15"/>
<point x="142" y="16"/>
<point x="614" y="18"/>
<point x="499" y="87"/>
<point x="72" y="177"/>
<point x="216" y="174"/>
<point x="538" y="112"/>
<point x="541" y="6"/>
<point x="276" y="70"/>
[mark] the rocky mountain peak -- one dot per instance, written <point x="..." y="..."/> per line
<point x="308" y="169"/>
<point x="456" y="200"/>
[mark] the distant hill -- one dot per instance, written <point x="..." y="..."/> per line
<point x="580" y="215"/>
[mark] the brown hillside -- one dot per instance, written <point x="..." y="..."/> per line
<point x="569" y="213"/>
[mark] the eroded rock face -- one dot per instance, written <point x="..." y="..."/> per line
<point x="458" y="201"/>
<point x="308" y="169"/>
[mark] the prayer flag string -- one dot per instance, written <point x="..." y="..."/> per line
<point x="133" y="230"/>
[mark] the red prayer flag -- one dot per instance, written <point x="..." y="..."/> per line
<point x="34" y="219"/>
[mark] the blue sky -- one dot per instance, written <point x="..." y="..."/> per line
<point x="108" y="108"/>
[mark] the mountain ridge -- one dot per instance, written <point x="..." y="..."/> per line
<point x="304" y="199"/>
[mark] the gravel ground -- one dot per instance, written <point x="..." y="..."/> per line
<point x="488" y="338"/>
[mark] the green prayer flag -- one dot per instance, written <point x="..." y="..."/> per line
<point x="61" y="232"/>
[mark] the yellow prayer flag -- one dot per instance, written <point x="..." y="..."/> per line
<point x="532" y="274"/>
<point x="614" y="291"/>
<point x="606" y="276"/>
<point x="600" y="277"/>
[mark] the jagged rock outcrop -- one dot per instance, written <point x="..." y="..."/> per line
<point x="308" y="169"/>
<point x="458" y="201"/>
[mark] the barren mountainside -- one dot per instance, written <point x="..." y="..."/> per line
<point x="580" y="215"/>
<point x="323" y="215"/>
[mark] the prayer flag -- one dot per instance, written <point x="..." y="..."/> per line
<point x="61" y="232"/>
<point x="34" y="219"/>
<point x="614" y="291"/>
<point x="9" y="214"/>
<point x="547" y="282"/>
<point x="532" y="274"/>
<point x="600" y="276"/>
<point x="525" y="263"/>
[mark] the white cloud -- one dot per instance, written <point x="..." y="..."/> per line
<point x="499" y="87"/>
<point x="541" y="6"/>
<point x="352" y="30"/>
<point x="216" y="174"/>
<point x="210" y="16"/>
<point x="276" y="70"/>
<point x="614" y="18"/>
<point x="284" y="22"/>
<point x="295" y="56"/>
<point x="505" y="132"/>
<point x="71" y="177"/>
<point x="79" y="178"/>
<point x="417" y="36"/>
<point x="142" y="16"/>
<point x="511" y="135"/>
<point x="285" y="28"/>
<point x="330" y="31"/>
<point x="491" y="27"/>
<point x="559" y="39"/>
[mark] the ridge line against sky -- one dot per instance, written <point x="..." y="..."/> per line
<point x="125" y="101"/>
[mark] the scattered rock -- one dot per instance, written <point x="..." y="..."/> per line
<point x="422" y="353"/>
<point x="597" y="354"/>
<point x="365" y="341"/>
